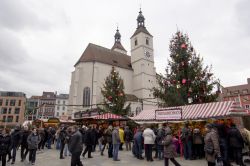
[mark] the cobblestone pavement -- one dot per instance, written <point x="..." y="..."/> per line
<point x="51" y="158"/>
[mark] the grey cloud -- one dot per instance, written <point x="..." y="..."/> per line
<point x="17" y="15"/>
<point x="243" y="15"/>
<point x="11" y="50"/>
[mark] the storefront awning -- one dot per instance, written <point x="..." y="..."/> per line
<point x="198" y="111"/>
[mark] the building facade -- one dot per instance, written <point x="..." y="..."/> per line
<point x="47" y="105"/>
<point x="61" y="106"/>
<point x="32" y="106"/>
<point x="12" y="106"/>
<point x="137" y="71"/>
<point x="239" y="93"/>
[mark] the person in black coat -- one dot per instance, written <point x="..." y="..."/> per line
<point x="62" y="137"/>
<point x="128" y="136"/>
<point x="223" y="141"/>
<point x="5" y="145"/>
<point x="24" y="143"/>
<point x="75" y="146"/>
<point x="16" y="139"/>
<point x="89" y="141"/>
<point x="94" y="136"/>
<point x="236" y="143"/>
<point x="42" y="134"/>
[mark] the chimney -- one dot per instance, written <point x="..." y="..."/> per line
<point x="248" y="80"/>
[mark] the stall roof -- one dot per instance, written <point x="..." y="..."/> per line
<point x="198" y="111"/>
<point x="108" y="116"/>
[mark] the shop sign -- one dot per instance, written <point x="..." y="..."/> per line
<point x="77" y="115"/>
<point x="64" y="117"/>
<point x="168" y="114"/>
<point x="89" y="114"/>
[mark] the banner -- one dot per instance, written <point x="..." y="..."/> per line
<point x="168" y="114"/>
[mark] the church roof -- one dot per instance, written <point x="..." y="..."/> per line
<point x="95" y="53"/>
<point x="141" y="29"/>
<point x="118" y="45"/>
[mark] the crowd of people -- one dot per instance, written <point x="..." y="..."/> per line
<point x="220" y="144"/>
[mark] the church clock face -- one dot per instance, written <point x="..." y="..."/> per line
<point x="147" y="54"/>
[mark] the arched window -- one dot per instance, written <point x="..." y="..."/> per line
<point x="86" y="96"/>
<point x="136" y="42"/>
<point x="147" y="41"/>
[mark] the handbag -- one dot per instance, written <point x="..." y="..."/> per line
<point x="209" y="149"/>
<point x="218" y="162"/>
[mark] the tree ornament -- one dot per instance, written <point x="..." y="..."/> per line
<point x="184" y="81"/>
<point x="183" y="63"/>
<point x="178" y="86"/>
<point x="190" y="100"/>
<point x="183" y="46"/>
<point x="190" y="90"/>
<point x="192" y="49"/>
<point x="177" y="55"/>
<point x="110" y="98"/>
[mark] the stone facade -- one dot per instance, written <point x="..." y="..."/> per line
<point x="12" y="106"/>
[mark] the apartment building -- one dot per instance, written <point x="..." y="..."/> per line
<point x="12" y="106"/>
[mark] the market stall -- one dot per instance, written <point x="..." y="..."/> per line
<point x="196" y="114"/>
<point x="109" y="118"/>
<point x="192" y="112"/>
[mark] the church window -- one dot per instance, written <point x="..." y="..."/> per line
<point x="136" y="42"/>
<point x="147" y="41"/>
<point x="86" y="96"/>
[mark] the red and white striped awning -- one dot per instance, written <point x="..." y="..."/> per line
<point x="106" y="116"/>
<point x="199" y="111"/>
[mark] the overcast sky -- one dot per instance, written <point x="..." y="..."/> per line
<point x="40" y="41"/>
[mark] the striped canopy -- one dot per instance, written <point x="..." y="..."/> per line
<point x="199" y="111"/>
<point x="106" y="116"/>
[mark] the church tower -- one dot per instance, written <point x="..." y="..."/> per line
<point x="142" y="60"/>
<point x="117" y="45"/>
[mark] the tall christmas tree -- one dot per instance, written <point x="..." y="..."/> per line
<point x="186" y="80"/>
<point x="113" y="93"/>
